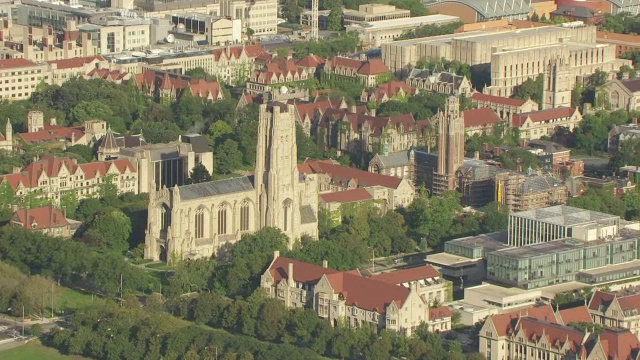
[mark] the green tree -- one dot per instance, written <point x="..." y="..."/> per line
<point x="219" y="131"/>
<point x="156" y="132"/>
<point x="495" y="219"/>
<point x="228" y="157"/>
<point x="107" y="190"/>
<point x="112" y="230"/>
<point x="69" y="202"/>
<point x="94" y="109"/>
<point x="530" y="89"/>
<point x="199" y="174"/>
<point x="291" y="11"/>
<point x="200" y="73"/>
<point x="429" y="219"/>
<point x="335" y="19"/>
<point x="307" y="149"/>
<point x="83" y="152"/>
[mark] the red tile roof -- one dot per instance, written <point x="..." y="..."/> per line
<point x="75" y="62"/>
<point x="575" y="315"/>
<point x="619" y="344"/>
<point x="556" y="335"/>
<point x="204" y="89"/>
<point x="542" y="115"/>
<point x="398" y="277"/>
<point x="310" y="61"/>
<point x="106" y="74"/>
<point x="373" y="67"/>
<point x="369" y="67"/>
<point x="302" y="272"/>
<point x="43" y="217"/>
<point x="51" y="166"/>
<point x="604" y="36"/>
<point x="365" y="293"/>
<point x="389" y="89"/>
<point x="630" y="302"/>
<point x="15" y="63"/>
<point x="346" y="196"/>
<point x="343" y="175"/>
<point x="497" y="99"/>
<point x="505" y="323"/>
<point x="53" y="133"/>
<point x="441" y="312"/>
<point x="600" y="299"/>
<point x="482" y="117"/>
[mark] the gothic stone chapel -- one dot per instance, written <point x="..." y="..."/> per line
<point x="193" y="221"/>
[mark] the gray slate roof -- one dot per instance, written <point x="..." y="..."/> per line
<point x="307" y="216"/>
<point x="538" y="183"/>
<point x="198" y="142"/>
<point x="213" y="188"/>
<point x="395" y="159"/>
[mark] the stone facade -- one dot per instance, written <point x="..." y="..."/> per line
<point x="352" y="299"/>
<point x="623" y="94"/>
<point x="539" y="333"/>
<point x="537" y="124"/>
<point x="520" y="192"/>
<point x="364" y="72"/>
<point x="194" y="221"/>
<point x="47" y="220"/>
<point x="616" y="311"/>
<point x="52" y="177"/>
<point x="439" y="82"/>
<point x="451" y="146"/>
<point x="6" y="140"/>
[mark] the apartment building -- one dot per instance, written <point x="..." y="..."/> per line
<point x="616" y="310"/>
<point x="350" y="298"/>
<point x="539" y="333"/>
<point x="39" y="132"/>
<point x="20" y="77"/>
<point x="47" y="220"/>
<point x="52" y="177"/>
<point x="365" y="72"/>
<point x="388" y="191"/>
<point x="440" y="82"/>
<point x="536" y="124"/>
<point x="505" y="107"/>
<point x="393" y="90"/>
<point x="620" y="133"/>
<point x="276" y="73"/>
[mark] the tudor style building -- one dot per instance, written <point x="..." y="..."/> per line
<point x="353" y="299"/>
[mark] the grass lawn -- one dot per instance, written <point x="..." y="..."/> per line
<point x="34" y="350"/>
<point x="67" y="299"/>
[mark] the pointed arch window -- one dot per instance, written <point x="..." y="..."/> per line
<point x="199" y="228"/>
<point x="286" y="211"/>
<point x="222" y="220"/>
<point x="244" y="216"/>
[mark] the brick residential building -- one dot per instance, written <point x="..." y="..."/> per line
<point x="52" y="177"/>
<point x="534" y="125"/>
<point x="47" y="220"/>
<point x="505" y="107"/>
<point x="365" y="72"/>
<point x="618" y="311"/>
<point x="350" y="298"/>
<point x="541" y="333"/>
<point x="623" y="42"/>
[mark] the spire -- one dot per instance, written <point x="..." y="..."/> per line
<point x="109" y="141"/>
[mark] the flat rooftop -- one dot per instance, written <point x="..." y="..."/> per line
<point x="491" y="290"/>
<point x="559" y="246"/>
<point x="551" y="290"/>
<point x="612" y="269"/>
<point x="564" y="215"/>
<point x="450" y="260"/>
<point x="404" y="22"/>
<point x="488" y="242"/>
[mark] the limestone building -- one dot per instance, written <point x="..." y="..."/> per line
<point x="397" y="301"/>
<point x="193" y="221"/>
<point x="451" y="146"/>
<point x="513" y="56"/>
<point x="616" y="310"/>
<point x="6" y="140"/>
<point x="47" y="220"/>
<point x="623" y="94"/>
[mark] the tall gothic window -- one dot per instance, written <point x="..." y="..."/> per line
<point x="244" y="216"/>
<point x="165" y="217"/>
<point x="222" y="220"/>
<point x="200" y="223"/>
<point x="286" y="207"/>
